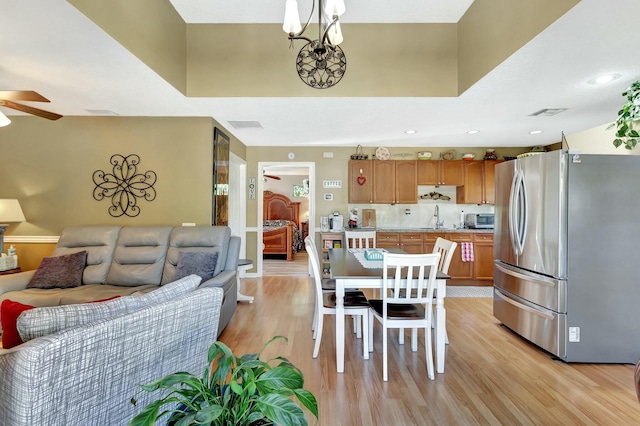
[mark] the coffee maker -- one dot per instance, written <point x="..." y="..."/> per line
<point x="337" y="222"/>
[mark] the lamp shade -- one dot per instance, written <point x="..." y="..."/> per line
<point x="4" y="120"/>
<point x="291" y="18"/>
<point x="334" y="7"/>
<point x="335" y="34"/>
<point x="10" y="211"/>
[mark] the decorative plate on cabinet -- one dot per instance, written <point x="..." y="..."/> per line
<point x="382" y="153"/>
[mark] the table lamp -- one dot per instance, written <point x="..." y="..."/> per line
<point x="10" y="211"/>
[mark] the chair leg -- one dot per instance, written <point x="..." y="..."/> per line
<point x="316" y="347"/>
<point x="428" y="347"/>
<point x="358" y="326"/>
<point x="315" y="319"/>
<point x="370" y="337"/>
<point x="414" y="339"/>
<point x="385" y="374"/>
<point x="365" y="334"/>
<point x="401" y="336"/>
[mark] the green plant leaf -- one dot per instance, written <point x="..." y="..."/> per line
<point x="280" y="377"/>
<point x="208" y="415"/>
<point x="617" y="142"/>
<point x="169" y="381"/>
<point x="148" y="415"/>
<point x="281" y="410"/>
<point x="634" y="134"/>
<point x="308" y="400"/>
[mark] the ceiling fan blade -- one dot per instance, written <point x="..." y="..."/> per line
<point x="273" y="177"/>
<point x="30" y="110"/>
<point x="22" y="95"/>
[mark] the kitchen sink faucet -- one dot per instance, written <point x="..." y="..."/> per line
<point x="439" y="223"/>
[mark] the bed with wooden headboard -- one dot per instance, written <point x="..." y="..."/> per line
<point x="281" y="225"/>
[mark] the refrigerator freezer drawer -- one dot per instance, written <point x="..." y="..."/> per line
<point x="540" y="326"/>
<point x="547" y="292"/>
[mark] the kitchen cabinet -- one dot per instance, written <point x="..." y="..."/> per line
<point x="483" y="256"/>
<point x="441" y="172"/>
<point x="329" y="240"/>
<point x="361" y="181"/>
<point x="479" y="181"/>
<point x="411" y="242"/>
<point x="459" y="270"/>
<point x="395" y="182"/>
<point x="388" y="240"/>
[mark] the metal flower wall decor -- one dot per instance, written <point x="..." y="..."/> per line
<point x="124" y="185"/>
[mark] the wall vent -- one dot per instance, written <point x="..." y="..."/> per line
<point x="548" y="112"/>
<point x="247" y="124"/>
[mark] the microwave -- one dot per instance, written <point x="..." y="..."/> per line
<point x="479" y="220"/>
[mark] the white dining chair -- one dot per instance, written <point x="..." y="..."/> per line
<point x="446" y="249"/>
<point x="355" y="303"/>
<point x="360" y="239"/>
<point x="407" y="287"/>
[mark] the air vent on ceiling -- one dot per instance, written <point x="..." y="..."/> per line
<point x="101" y="112"/>
<point x="245" y="124"/>
<point x="548" y="112"/>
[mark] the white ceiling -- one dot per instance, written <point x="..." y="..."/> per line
<point x="50" y="47"/>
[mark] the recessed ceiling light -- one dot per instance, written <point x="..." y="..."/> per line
<point x="410" y="132"/>
<point x="603" y="79"/>
<point x="473" y="132"/>
<point x="535" y="132"/>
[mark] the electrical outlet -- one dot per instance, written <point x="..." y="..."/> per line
<point x="574" y="334"/>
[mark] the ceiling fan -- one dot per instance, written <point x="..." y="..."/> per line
<point x="7" y="98"/>
<point x="271" y="176"/>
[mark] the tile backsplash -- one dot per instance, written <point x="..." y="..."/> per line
<point x="421" y="215"/>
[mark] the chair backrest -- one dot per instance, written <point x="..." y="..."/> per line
<point x="446" y="249"/>
<point x="315" y="267"/>
<point x="360" y="239"/>
<point x="412" y="278"/>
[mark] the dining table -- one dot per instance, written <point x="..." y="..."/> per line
<point x="349" y="272"/>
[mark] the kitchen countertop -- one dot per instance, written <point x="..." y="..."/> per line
<point x="441" y="230"/>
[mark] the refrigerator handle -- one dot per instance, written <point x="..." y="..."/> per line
<point x="512" y="212"/>
<point x="524" y="307"/>
<point x="524" y="216"/>
<point x="549" y="282"/>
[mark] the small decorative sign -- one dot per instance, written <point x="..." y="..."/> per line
<point x="252" y="188"/>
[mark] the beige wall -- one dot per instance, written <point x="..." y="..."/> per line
<point x="492" y="30"/>
<point x="150" y="29"/>
<point x="234" y="60"/>
<point x="598" y="140"/>
<point x="48" y="166"/>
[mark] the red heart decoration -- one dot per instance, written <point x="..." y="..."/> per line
<point x="361" y="180"/>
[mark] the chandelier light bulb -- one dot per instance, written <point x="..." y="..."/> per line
<point x="291" y="18"/>
<point x="4" y="120"/>
<point x="334" y="7"/>
<point x="335" y="34"/>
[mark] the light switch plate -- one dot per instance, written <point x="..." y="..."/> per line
<point x="574" y="334"/>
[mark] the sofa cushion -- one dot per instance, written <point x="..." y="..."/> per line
<point x="98" y="241"/>
<point x="196" y="238"/>
<point x="139" y="256"/>
<point x="200" y="263"/>
<point x="60" y="271"/>
<point x="40" y="322"/>
<point x="167" y="292"/>
<point x="9" y="312"/>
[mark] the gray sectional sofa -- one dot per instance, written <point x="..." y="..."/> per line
<point x="81" y="364"/>
<point x="126" y="260"/>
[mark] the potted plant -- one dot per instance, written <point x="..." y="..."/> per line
<point x="628" y="116"/>
<point x="232" y="391"/>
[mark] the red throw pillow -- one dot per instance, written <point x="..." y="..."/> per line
<point x="103" y="300"/>
<point x="9" y="313"/>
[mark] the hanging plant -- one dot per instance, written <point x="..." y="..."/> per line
<point x="628" y="116"/>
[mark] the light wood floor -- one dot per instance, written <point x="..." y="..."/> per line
<point x="492" y="377"/>
<point x="299" y="266"/>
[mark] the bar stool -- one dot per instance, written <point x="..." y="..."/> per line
<point x="243" y="265"/>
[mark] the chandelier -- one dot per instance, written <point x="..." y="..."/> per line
<point x="321" y="63"/>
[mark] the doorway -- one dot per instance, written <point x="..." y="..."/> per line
<point x="283" y="178"/>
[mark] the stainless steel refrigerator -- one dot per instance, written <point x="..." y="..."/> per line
<point x="567" y="254"/>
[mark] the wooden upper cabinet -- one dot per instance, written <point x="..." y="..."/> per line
<point x="478" y="183"/>
<point x="395" y="182"/>
<point x="384" y="182"/>
<point x="406" y="182"/>
<point x="441" y="172"/>
<point x="361" y="181"/>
